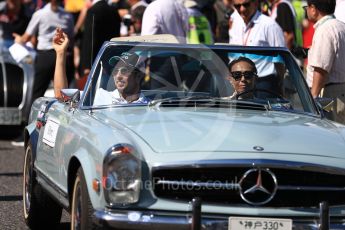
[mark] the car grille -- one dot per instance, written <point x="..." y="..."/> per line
<point x="296" y="188"/>
<point x="14" y="83"/>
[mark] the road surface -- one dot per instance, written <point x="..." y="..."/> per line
<point x="11" y="176"/>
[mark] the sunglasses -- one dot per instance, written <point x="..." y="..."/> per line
<point x="122" y="71"/>
<point x="245" y="5"/>
<point x="248" y="75"/>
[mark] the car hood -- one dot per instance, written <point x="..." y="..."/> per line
<point x="211" y="130"/>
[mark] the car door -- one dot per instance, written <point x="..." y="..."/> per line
<point x="52" y="137"/>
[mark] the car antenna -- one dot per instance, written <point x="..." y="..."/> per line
<point x="92" y="38"/>
<point x="91" y="55"/>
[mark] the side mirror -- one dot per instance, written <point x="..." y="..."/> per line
<point x="70" y="96"/>
<point x="325" y="104"/>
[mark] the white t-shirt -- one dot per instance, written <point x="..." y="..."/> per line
<point x="260" y="31"/>
<point x="166" y="17"/>
<point x="45" y="21"/>
<point x="104" y="97"/>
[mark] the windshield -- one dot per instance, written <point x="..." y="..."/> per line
<point x="141" y="75"/>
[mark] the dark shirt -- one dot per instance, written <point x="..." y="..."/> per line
<point x="15" y="23"/>
<point x="285" y="18"/>
<point x="102" y="23"/>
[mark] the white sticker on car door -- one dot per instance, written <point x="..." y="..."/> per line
<point x="50" y="132"/>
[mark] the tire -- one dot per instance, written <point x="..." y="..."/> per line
<point x="40" y="210"/>
<point x="82" y="210"/>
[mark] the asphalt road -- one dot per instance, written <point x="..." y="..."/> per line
<point x="11" y="176"/>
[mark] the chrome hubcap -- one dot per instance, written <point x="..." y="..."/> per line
<point x="77" y="211"/>
<point x="27" y="182"/>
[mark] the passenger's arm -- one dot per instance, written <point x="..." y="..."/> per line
<point x="60" y="44"/>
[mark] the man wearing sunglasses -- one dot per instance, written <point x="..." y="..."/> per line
<point x="252" y="28"/>
<point x="126" y="74"/>
<point x="242" y="77"/>
<point x="326" y="56"/>
<point x="127" y="77"/>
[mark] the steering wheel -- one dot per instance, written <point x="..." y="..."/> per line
<point x="259" y="90"/>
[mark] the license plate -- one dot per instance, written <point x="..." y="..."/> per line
<point x="10" y="116"/>
<point x="252" y="223"/>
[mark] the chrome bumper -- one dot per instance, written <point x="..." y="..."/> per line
<point x="152" y="220"/>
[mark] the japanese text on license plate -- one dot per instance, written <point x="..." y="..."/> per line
<point x="250" y="223"/>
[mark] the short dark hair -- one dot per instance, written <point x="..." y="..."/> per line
<point x="240" y="59"/>
<point x="138" y="13"/>
<point x="325" y="6"/>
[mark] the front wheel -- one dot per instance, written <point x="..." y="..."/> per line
<point x="40" y="210"/>
<point x="82" y="210"/>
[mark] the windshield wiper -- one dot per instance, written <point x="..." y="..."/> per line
<point x="242" y="104"/>
<point x="173" y="100"/>
<point x="207" y="101"/>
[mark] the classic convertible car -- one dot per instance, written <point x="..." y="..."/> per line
<point x="192" y="156"/>
<point x="16" y="81"/>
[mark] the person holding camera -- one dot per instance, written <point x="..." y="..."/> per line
<point x="133" y="20"/>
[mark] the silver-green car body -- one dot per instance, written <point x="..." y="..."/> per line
<point x="192" y="158"/>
